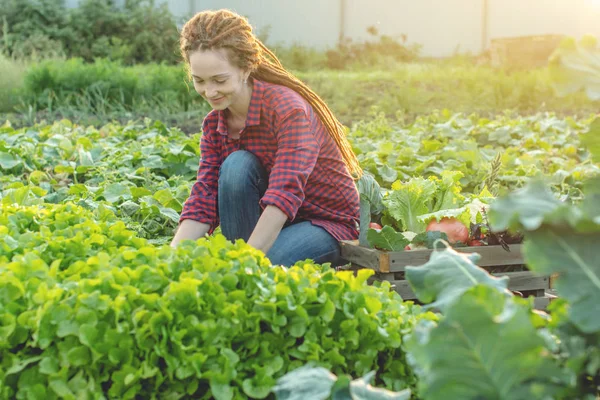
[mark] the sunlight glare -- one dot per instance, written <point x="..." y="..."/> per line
<point x="594" y="3"/>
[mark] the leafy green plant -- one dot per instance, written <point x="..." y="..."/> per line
<point x="89" y="308"/>
<point x="540" y="356"/>
<point x="144" y="185"/>
<point x="575" y="66"/>
<point x="317" y="383"/>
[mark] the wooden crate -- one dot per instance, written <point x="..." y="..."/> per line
<point x="390" y="266"/>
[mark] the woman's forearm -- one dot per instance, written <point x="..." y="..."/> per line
<point x="267" y="229"/>
<point x="189" y="229"/>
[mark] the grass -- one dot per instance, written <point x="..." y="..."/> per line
<point x="31" y="93"/>
<point x="11" y="81"/>
<point x="410" y="90"/>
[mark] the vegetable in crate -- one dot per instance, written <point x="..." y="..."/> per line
<point x="456" y="231"/>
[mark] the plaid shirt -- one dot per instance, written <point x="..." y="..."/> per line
<point x="307" y="175"/>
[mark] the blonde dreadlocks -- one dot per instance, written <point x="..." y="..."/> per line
<point x="230" y="31"/>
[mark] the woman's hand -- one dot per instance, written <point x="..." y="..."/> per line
<point x="267" y="229"/>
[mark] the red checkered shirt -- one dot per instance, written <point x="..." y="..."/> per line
<point x="307" y="175"/>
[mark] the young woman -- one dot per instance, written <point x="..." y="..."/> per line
<point x="276" y="169"/>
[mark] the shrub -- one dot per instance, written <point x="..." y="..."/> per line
<point x="137" y="32"/>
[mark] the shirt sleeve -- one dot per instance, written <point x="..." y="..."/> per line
<point x="201" y="206"/>
<point x="297" y="154"/>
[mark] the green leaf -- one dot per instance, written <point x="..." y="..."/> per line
<point x="78" y="356"/>
<point x="129" y="207"/>
<point x="447" y="275"/>
<point x="297" y="326"/>
<point x="256" y="389"/>
<point x="221" y="391"/>
<point x="462" y="214"/>
<point x="61" y="388"/>
<point x="64" y="169"/>
<point x="574" y="257"/>
<point x="447" y="195"/>
<point x="485" y="347"/>
<point x="115" y="192"/>
<point x="164" y="196"/>
<point x="429" y="239"/>
<point x="591" y="200"/>
<point x="138" y="192"/>
<point x="409" y="200"/>
<point x="49" y="365"/>
<point x="591" y="139"/>
<point x="387" y="173"/>
<point x="153" y="161"/>
<point x="8" y="161"/>
<point x="362" y="390"/>
<point x="170" y="214"/>
<point x="576" y="66"/>
<point x="387" y="239"/>
<point x="527" y="207"/>
<point x="303" y="383"/>
<point x="78" y="189"/>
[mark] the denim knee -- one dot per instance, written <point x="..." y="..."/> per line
<point x="241" y="168"/>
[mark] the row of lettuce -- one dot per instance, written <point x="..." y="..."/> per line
<point x="442" y="165"/>
<point x="94" y="305"/>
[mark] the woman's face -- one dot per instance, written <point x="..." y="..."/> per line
<point x="215" y="78"/>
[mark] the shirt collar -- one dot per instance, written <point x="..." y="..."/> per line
<point x="254" y="109"/>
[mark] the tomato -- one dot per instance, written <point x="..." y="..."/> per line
<point x="475" y="242"/>
<point x="374" y="225"/>
<point x="407" y="247"/>
<point x="453" y="228"/>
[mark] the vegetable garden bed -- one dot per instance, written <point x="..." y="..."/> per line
<point x="390" y="266"/>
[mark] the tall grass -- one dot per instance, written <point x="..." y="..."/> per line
<point x="12" y="74"/>
<point x="105" y="91"/>
<point x="412" y="89"/>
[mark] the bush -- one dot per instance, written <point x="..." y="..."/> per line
<point x="89" y="309"/>
<point x="138" y="32"/>
<point x="384" y="51"/>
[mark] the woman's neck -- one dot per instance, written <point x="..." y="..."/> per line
<point x="239" y="110"/>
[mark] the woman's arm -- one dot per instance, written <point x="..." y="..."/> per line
<point x="199" y="213"/>
<point x="267" y="229"/>
<point x="189" y="229"/>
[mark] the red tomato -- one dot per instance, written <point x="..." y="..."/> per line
<point x="374" y="225"/>
<point x="453" y="228"/>
<point x="407" y="247"/>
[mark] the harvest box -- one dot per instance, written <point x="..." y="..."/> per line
<point x="390" y="266"/>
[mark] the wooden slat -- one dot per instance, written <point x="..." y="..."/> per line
<point x="365" y="257"/>
<point x="518" y="281"/>
<point x="491" y="256"/>
<point x="382" y="261"/>
<point x="525" y="280"/>
<point x="541" y="303"/>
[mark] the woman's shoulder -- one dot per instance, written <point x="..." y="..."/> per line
<point x="282" y="100"/>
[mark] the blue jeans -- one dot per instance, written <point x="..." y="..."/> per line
<point x="242" y="182"/>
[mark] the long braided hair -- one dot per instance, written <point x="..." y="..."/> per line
<point x="228" y="30"/>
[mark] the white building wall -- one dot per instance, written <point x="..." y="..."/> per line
<point x="442" y="27"/>
<point x="538" y="17"/>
